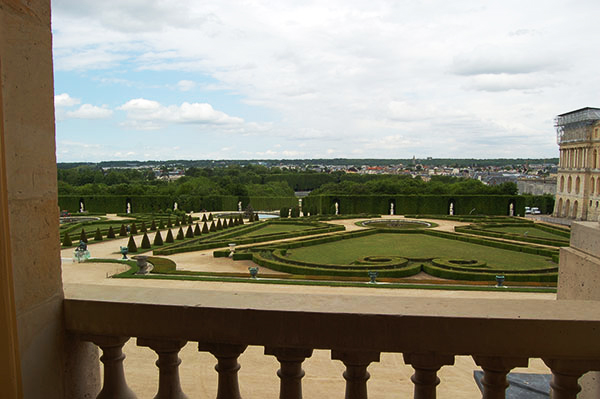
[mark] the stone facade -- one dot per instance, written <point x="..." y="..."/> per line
<point x="578" y="182"/>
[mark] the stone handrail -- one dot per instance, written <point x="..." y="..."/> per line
<point x="500" y="334"/>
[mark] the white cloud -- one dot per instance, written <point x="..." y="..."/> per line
<point x="142" y="110"/>
<point x="328" y="74"/>
<point x="186" y="85"/>
<point x="88" y="111"/>
<point x="65" y="100"/>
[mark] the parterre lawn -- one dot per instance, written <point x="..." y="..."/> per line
<point x="344" y="252"/>
<point x="277" y="228"/>
<point x="531" y="232"/>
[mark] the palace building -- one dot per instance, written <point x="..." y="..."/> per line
<point x="578" y="182"/>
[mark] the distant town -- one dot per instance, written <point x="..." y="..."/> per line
<point x="532" y="176"/>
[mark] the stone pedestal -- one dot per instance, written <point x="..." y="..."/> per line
<point x="579" y="278"/>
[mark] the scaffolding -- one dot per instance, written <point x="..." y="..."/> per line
<point x="572" y="126"/>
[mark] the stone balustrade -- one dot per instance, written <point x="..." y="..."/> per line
<point x="499" y="334"/>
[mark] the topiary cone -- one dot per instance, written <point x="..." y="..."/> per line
<point x="134" y="229"/>
<point x="123" y="231"/>
<point x="146" y="242"/>
<point x="143" y="228"/>
<point x="153" y="225"/>
<point x="110" y="233"/>
<point x="180" y="234"/>
<point x="67" y="240"/>
<point x="98" y="235"/>
<point x="197" y="231"/>
<point x="83" y="236"/>
<point x="189" y="233"/>
<point x="205" y="228"/>
<point x="131" y="246"/>
<point x="219" y="225"/>
<point x="169" y="239"/>
<point x="158" y="239"/>
<point x="212" y="228"/>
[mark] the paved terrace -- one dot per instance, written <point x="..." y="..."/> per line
<point x="390" y="378"/>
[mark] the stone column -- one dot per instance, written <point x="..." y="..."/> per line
<point x="169" y="386"/>
<point x="227" y="367"/>
<point x="426" y="367"/>
<point x="112" y="357"/>
<point x="356" y="374"/>
<point x="495" y="370"/>
<point x="579" y="278"/>
<point x="291" y="372"/>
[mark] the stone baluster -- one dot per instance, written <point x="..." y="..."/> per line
<point x="227" y="367"/>
<point x="356" y="374"/>
<point x="114" y="385"/>
<point x="495" y="370"/>
<point x="565" y="373"/>
<point x="426" y="366"/>
<point x="290" y="372"/>
<point x="169" y="386"/>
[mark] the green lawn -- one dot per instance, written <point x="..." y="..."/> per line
<point x="531" y="232"/>
<point x="277" y="228"/>
<point x="344" y="252"/>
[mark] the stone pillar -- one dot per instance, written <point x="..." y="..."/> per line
<point x="227" y="367"/>
<point x="579" y="278"/>
<point x="169" y="386"/>
<point x="495" y="370"/>
<point x="291" y="372"/>
<point x="426" y="367"/>
<point x="27" y="108"/>
<point x="356" y="374"/>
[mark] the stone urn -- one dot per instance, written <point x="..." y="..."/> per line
<point x="500" y="281"/>
<point x="231" y="249"/>
<point x="373" y="277"/>
<point x="142" y="264"/>
<point x="124" y="251"/>
<point x="253" y="271"/>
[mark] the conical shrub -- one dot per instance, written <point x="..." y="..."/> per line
<point x="110" y="233"/>
<point x="143" y="227"/>
<point x="205" y="228"/>
<point x="131" y="246"/>
<point x="241" y="220"/>
<point x="189" y="233"/>
<point x="83" y="236"/>
<point x="231" y="222"/>
<point x="190" y="219"/>
<point x="161" y="224"/>
<point x="251" y="218"/>
<point x="67" y="240"/>
<point x="146" y="242"/>
<point x="177" y="222"/>
<point x="134" y="229"/>
<point x="212" y="228"/>
<point x="204" y="218"/>
<point x="123" y="231"/>
<point x="210" y="217"/>
<point x="180" y="234"/>
<point x="98" y="235"/>
<point x="219" y="225"/>
<point x="169" y="224"/>
<point x="197" y="231"/>
<point x="169" y="239"/>
<point x="158" y="240"/>
<point x="153" y="225"/>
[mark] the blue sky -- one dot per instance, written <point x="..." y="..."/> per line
<point x="152" y="79"/>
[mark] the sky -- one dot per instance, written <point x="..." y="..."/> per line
<point x="160" y="80"/>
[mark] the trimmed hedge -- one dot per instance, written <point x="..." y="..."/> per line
<point x="425" y="204"/>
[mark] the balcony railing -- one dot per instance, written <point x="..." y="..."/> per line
<point x="499" y="334"/>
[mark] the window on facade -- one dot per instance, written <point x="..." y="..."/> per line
<point x="577" y="184"/>
<point x="569" y="184"/>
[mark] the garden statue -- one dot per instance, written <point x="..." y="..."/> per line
<point x="81" y="252"/>
<point x="451" y="212"/>
<point x="231" y="249"/>
<point x="124" y="252"/>
<point x="337" y="208"/>
<point x="392" y="208"/>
